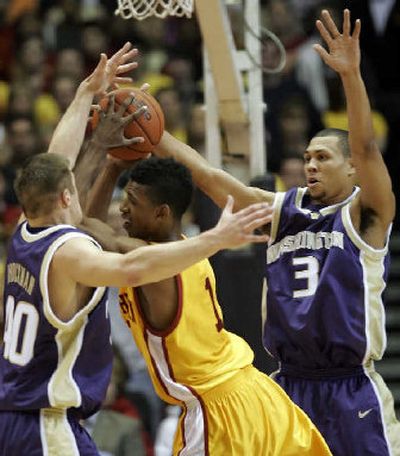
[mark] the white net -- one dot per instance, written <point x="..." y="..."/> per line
<point x="141" y="9"/>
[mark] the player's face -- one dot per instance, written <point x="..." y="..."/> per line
<point x="139" y="214"/>
<point x="329" y="175"/>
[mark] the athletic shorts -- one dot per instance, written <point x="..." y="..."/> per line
<point x="250" y="415"/>
<point x="47" y="432"/>
<point x="352" y="408"/>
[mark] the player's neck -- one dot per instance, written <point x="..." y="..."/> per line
<point x="170" y="235"/>
<point x="56" y="218"/>
<point x="331" y="200"/>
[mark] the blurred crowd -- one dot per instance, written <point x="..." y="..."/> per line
<point x="48" y="47"/>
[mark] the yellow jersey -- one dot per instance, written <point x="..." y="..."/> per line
<point x="195" y="354"/>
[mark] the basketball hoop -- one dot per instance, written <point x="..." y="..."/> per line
<point x="141" y="9"/>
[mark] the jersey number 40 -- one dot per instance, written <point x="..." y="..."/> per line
<point x="20" y="331"/>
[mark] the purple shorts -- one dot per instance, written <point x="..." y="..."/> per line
<point x="35" y="433"/>
<point x="345" y="406"/>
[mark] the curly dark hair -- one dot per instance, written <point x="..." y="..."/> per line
<point x="168" y="182"/>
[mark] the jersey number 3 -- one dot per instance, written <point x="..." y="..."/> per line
<point x="20" y="331"/>
<point x="309" y="273"/>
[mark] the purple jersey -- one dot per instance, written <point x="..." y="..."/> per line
<point x="323" y="305"/>
<point x="46" y="362"/>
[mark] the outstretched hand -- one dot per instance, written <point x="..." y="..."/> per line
<point x="108" y="70"/>
<point x="344" y="48"/>
<point x="109" y="131"/>
<point x="237" y="229"/>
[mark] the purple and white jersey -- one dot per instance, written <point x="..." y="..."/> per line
<point x="323" y="300"/>
<point x="44" y="361"/>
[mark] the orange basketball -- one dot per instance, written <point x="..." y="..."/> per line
<point x="150" y="125"/>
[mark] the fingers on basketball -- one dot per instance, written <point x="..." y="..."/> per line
<point x="149" y="124"/>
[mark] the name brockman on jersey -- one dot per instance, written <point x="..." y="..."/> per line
<point x="20" y="275"/>
<point x="305" y="240"/>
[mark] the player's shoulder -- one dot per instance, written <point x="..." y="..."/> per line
<point x="77" y="244"/>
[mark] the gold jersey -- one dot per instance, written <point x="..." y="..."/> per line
<point x="195" y="354"/>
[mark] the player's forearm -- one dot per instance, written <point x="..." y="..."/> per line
<point x="361" y="132"/>
<point x="216" y="183"/>
<point x="203" y="174"/>
<point x="68" y="136"/>
<point x="158" y="262"/>
<point x="181" y="152"/>
<point x="100" y="195"/>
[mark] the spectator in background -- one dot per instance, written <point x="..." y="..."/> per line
<point x="284" y="88"/>
<point x="69" y="69"/>
<point x="150" y="71"/>
<point x="164" y="443"/>
<point x="196" y="130"/>
<point x="336" y="116"/>
<point x="21" y="142"/>
<point x="116" y="433"/>
<point x="70" y="62"/>
<point x="301" y="60"/>
<point x="21" y="100"/>
<point x="291" y="174"/>
<point x="95" y="40"/>
<point x="64" y="87"/>
<point x="181" y="72"/>
<point x="294" y="126"/>
<point x="30" y="66"/>
<point x="172" y="106"/>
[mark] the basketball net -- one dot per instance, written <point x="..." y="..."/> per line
<point x="141" y="9"/>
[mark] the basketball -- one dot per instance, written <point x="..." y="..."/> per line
<point x="149" y="125"/>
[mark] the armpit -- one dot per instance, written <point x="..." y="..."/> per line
<point x="367" y="219"/>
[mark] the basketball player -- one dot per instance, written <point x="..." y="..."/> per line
<point x="228" y="406"/>
<point x="326" y="266"/>
<point x="55" y="362"/>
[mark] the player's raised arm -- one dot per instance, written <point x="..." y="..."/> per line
<point x="215" y="183"/>
<point x="69" y="133"/>
<point x="109" y="133"/>
<point x="343" y="56"/>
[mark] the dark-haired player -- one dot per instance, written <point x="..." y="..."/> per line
<point x="228" y="407"/>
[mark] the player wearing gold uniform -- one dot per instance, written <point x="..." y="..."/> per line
<point x="228" y="406"/>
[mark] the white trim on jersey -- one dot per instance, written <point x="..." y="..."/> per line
<point x="276" y="216"/>
<point x="27" y="236"/>
<point x="43" y="434"/>
<point x="264" y="310"/>
<point x="48" y="311"/>
<point x="356" y="238"/>
<point x="194" y="428"/>
<point x="56" y="434"/>
<point x="301" y="191"/>
<point x="62" y="389"/>
<point x="375" y="317"/>
<point x="326" y="210"/>
<point x="373" y="269"/>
